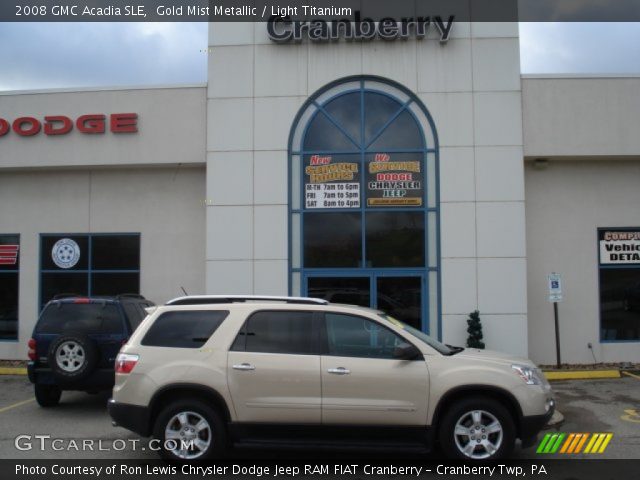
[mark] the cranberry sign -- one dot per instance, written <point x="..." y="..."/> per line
<point x="62" y="125"/>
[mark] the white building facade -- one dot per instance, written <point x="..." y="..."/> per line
<point x="421" y="176"/>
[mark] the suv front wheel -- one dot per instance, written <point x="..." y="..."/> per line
<point x="477" y="428"/>
<point x="190" y="431"/>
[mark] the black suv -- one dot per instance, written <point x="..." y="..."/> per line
<point x="76" y="340"/>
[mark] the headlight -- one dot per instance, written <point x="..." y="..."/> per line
<point x="528" y="374"/>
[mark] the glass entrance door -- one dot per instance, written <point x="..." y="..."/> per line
<point x="400" y="295"/>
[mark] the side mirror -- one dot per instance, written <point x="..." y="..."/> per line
<point x="406" y="351"/>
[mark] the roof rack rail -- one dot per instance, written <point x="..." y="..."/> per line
<point x="60" y="296"/>
<point x="213" y="299"/>
<point x="130" y="295"/>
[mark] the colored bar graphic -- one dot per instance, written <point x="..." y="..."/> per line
<point x="573" y="443"/>
<point x="543" y="443"/>
<point x="567" y="443"/>
<point x="606" y="441"/>
<point x="582" y="442"/>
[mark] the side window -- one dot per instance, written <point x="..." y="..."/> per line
<point x="349" y="336"/>
<point x="288" y="332"/>
<point x="133" y="314"/>
<point x="184" y="329"/>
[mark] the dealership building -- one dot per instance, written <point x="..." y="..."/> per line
<point x="421" y="174"/>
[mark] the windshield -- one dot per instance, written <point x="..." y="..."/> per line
<point x="440" y="347"/>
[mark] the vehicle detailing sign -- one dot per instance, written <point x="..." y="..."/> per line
<point x="619" y="247"/>
<point x="332" y="181"/>
<point x="394" y="181"/>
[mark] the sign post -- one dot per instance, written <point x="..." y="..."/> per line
<point x="555" y="296"/>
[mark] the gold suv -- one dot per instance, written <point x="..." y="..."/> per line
<point x="202" y="373"/>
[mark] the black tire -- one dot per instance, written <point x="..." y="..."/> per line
<point x="47" y="395"/>
<point x="78" y="367"/>
<point x="488" y="445"/>
<point x="192" y="409"/>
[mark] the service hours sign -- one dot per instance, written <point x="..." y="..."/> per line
<point x="332" y="181"/>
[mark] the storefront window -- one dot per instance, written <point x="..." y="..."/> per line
<point x="619" y="250"/>
<point x="9" y="286"/>
<point x="363" y="200"/>
<point x="89" y="264"/>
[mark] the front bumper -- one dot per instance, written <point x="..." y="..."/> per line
<point x="131" y="417"/>
<point x="531" y="425"/>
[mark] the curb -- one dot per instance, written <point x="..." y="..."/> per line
<point x="13" y="371"/>
<point x="581" y="374"/>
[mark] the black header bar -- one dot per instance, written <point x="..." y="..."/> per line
<point x="262" y="10"/>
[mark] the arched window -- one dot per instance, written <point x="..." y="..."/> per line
<point x="363" y="200"/>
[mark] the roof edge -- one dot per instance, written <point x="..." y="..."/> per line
<point x="577" y="76"/>
<point x="102" y="89"/>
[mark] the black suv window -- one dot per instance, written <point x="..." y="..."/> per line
<point x="351" y="336"/>
<point x="186" y="329"/>
<point x="88" y="318"/>
<point x="134" y="314"/>
<point x="278" y="332"/>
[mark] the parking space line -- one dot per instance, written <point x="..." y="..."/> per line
<point x="629" y="374"/>
<point x="4" y="409"/>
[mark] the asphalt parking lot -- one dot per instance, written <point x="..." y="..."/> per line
<point x="589" y="406"/>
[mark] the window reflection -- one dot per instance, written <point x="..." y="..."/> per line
<point x="395" y="239"/>
<point x="332" y="240"/>
<point x="323" y="135"/>
<point x="620" y="303"/>
<point x="345" y="110"/>
<point x="378" y="110"/>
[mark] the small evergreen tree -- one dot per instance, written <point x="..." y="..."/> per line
<point x="474" y="330"/>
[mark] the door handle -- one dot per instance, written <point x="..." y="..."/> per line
<point x="244" y="366"/>
<point x="339" y="371"/>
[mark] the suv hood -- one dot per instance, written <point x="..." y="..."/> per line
<point x="493" y="357"/>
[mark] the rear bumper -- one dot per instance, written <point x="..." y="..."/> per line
<point x="131" y="417"/>
<point x="99" y="379"/>
<point x="531" y="425"/>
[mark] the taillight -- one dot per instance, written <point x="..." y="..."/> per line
<point x="82" y="300"/>
<point x="125" y="362"/>
<point x="33" y="355"/>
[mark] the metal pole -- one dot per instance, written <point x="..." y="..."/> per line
<point x="555" y="315"/>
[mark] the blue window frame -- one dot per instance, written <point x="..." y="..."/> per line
<point x="89" y="264"/>
<point x="363" y="192"/>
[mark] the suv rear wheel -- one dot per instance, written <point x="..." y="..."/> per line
<point x="477" y="428"/>
<point x="47" y="395"/>
<point x="190" y="431"/>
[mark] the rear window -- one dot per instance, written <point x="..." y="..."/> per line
<point x="184" y="329"/>
<point x="88" y="318"/>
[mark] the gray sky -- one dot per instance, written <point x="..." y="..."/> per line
<point x="59" y="55"/>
